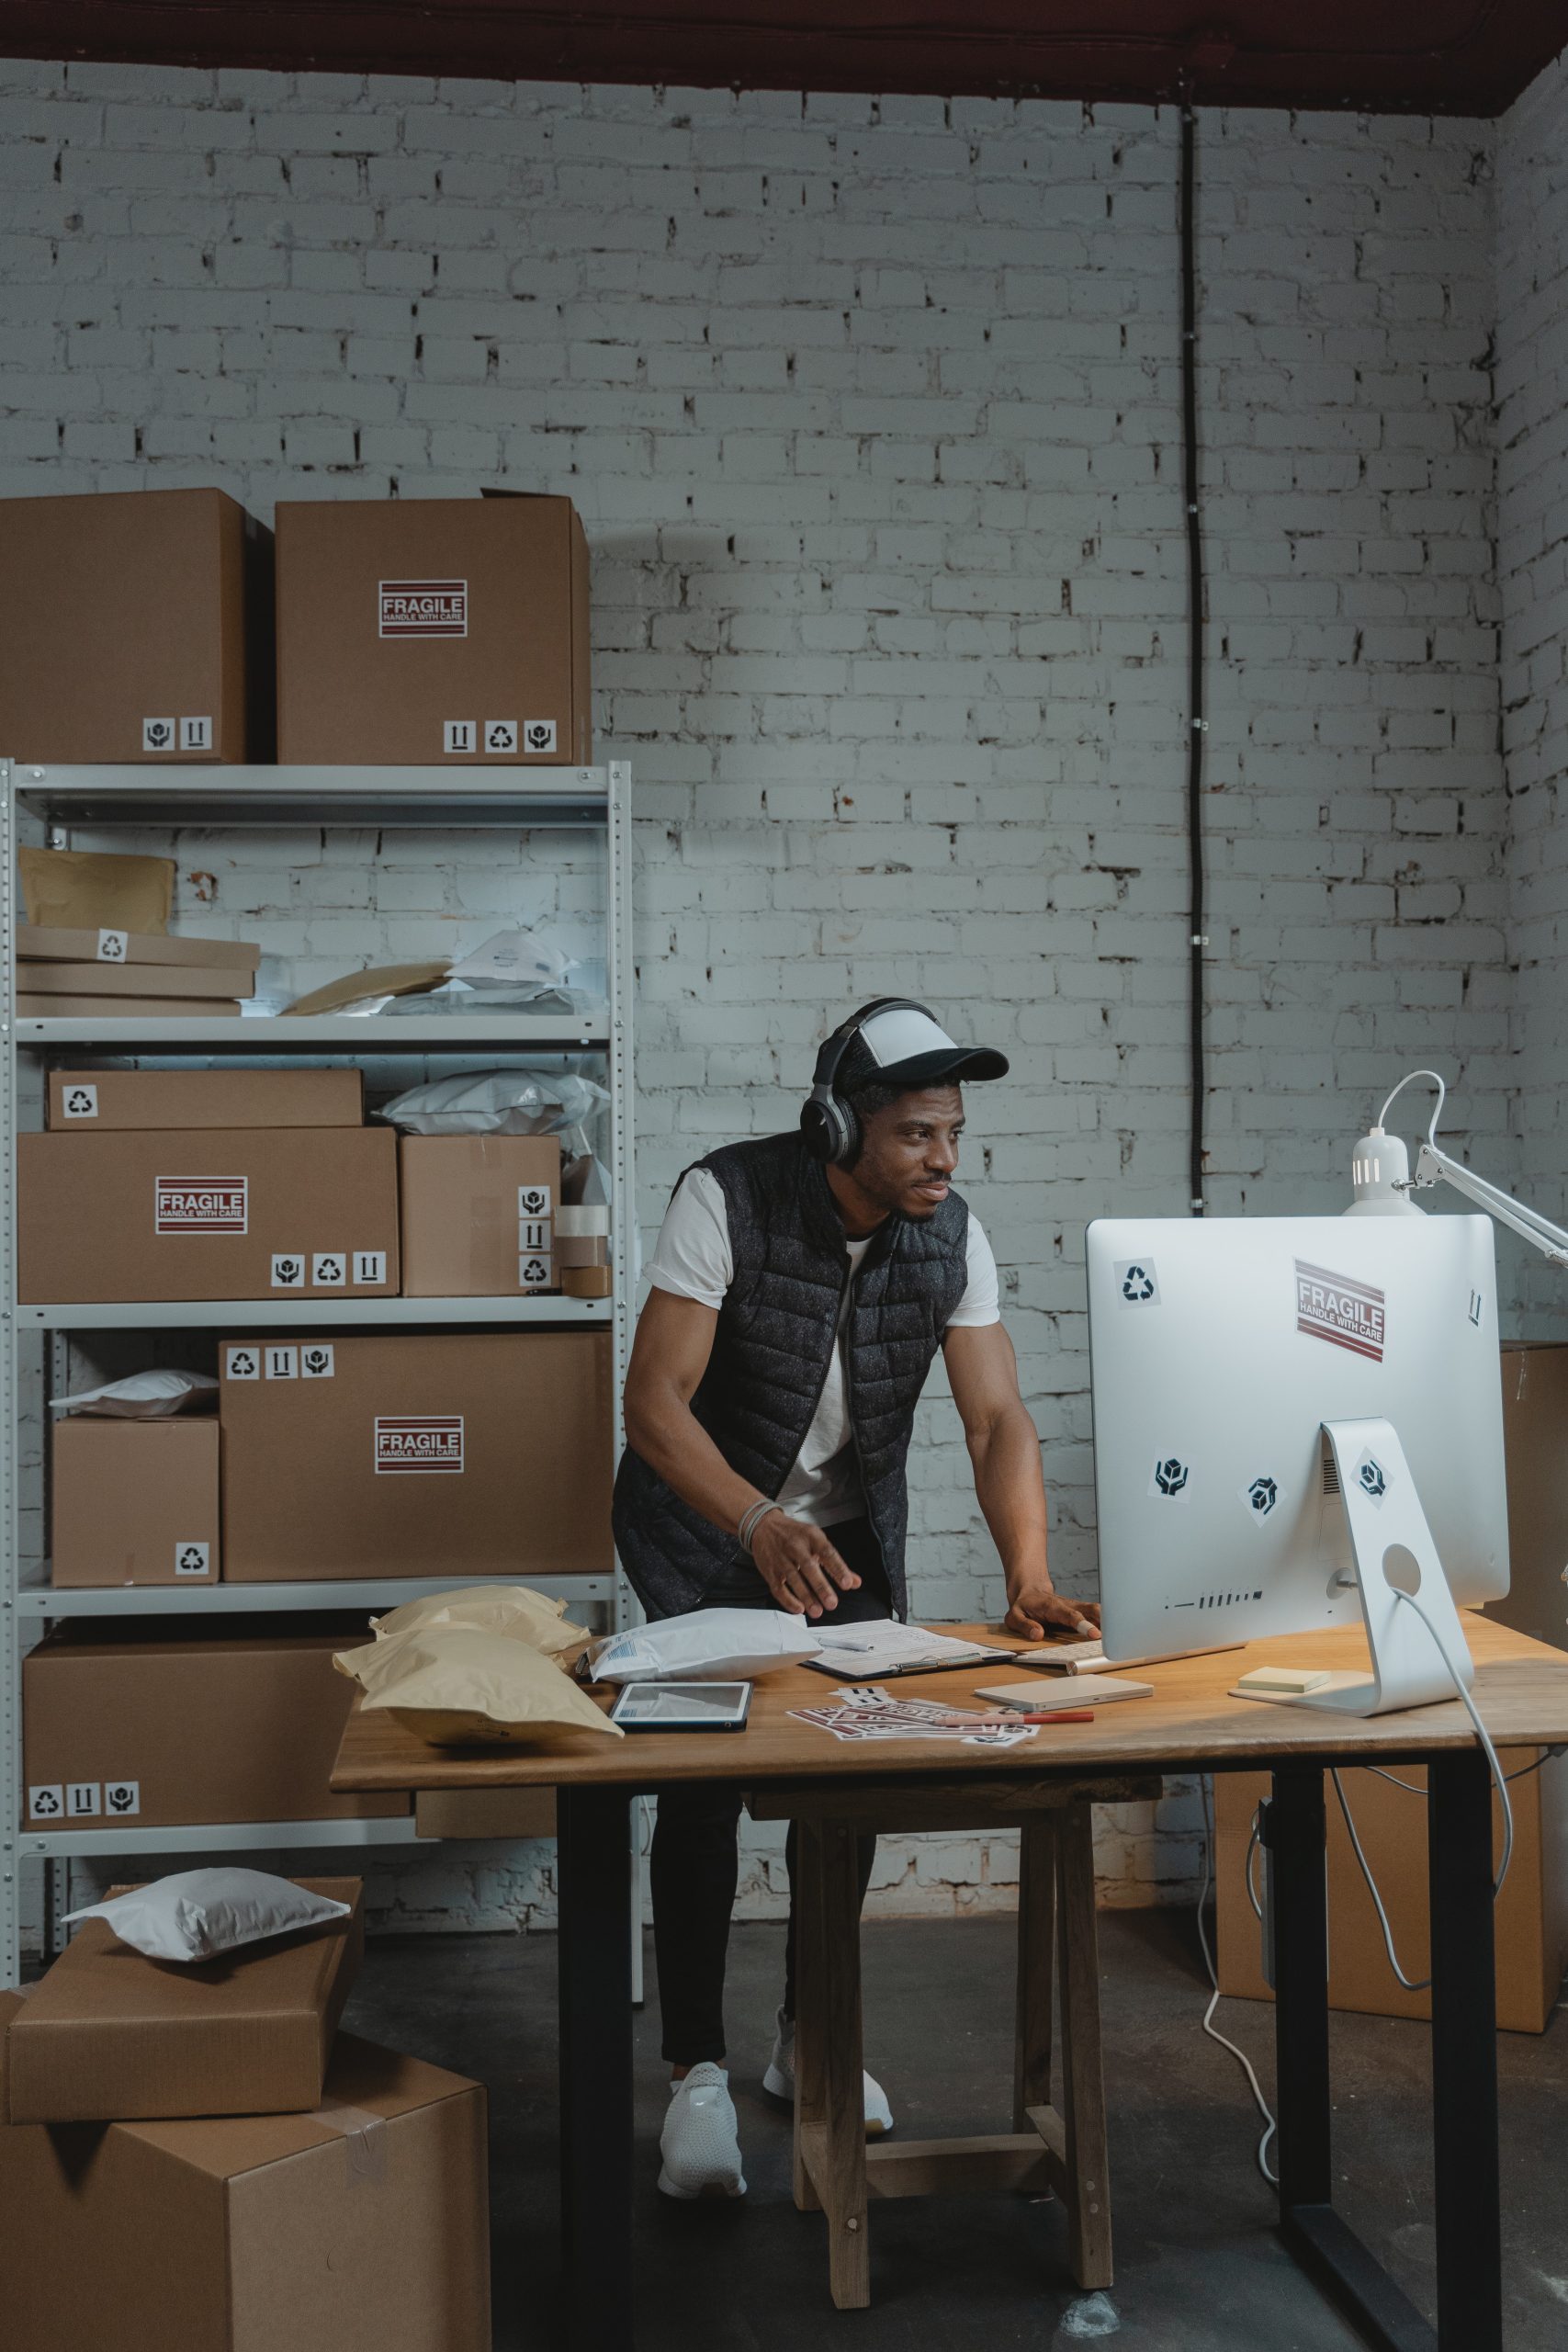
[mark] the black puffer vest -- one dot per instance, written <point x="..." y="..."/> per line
<point x="771" y="1353"/>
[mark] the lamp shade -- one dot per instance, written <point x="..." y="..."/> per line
<point x="1380" y="1163"/>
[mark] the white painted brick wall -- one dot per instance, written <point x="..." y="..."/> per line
<point x="871" y="410"/>
<point x="1532" y="576"/>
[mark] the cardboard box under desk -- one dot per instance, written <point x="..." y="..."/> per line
<point x="110" y="2036"/>
<point x="163" y="1722"/>
<point x="137" y="625"/>
<point x="1531" y="1913"/>
<point x="451" y="631"/>
<point x="478" y="1214"/>
<point x="99" y="1099"/>
<point x="134" y="1502"/>
<point x="255" y="2234"/>
<point x="1535" y="1442"/>
<point x="416" y="1455"/>
<point x="208" y="1213"/>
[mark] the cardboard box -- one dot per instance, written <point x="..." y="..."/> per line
<point x="120" y="1008"/>
<point x="1535" y="1442"/>
<point x="168" y="983"/>
<point x="160" y="1722"/>
<point x="137" y="625"/>
<point x="487" y="1453"/>
<point x="204" y="1098"/>
<point x="208" y="1213"/>
<point x="134" y="1502"/>
<point x="250" y="2234"/>
<point x="1531" y="1913"/>
<point x="485" y="1813"/>
<point x="444" y="631"/>
<point x="478" y="1213"/>
<point x="110" y="2036"/>
<point x="50" y="942"/>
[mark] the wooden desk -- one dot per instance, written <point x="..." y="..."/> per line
<point x="1189" y="1725"/>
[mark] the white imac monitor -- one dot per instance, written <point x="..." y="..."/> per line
<point x="1220" y="1348"/>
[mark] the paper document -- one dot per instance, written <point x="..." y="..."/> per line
<point x="1032" y="1698"/>
<point x="885" y="1646"/>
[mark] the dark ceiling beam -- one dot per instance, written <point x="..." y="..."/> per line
<point x="1462" y="57"/>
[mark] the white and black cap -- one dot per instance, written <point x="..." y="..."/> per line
<point x="903" y="1045"/>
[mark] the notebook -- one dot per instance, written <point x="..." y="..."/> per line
<point x="1038" y="1698"/>
<point x="873" y="1651"/>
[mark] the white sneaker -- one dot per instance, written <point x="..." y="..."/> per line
<point x="700" y="2145"/>
<point x="780" y="2080"/>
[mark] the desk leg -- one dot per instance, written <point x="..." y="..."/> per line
<point x="1320" y="2240"/>
<point x="594" y="1879"/>
<point x="1296" y="1833"/>
<point x="1464" y="2055"/>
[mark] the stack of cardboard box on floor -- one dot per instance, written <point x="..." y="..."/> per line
<point x="332" y="1455"/>
<point x="192" y="2157"/>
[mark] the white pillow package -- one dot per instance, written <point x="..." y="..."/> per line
<point x="497" y="1102"/>
<point x="197" y="1915"/>
<point x="145" y="1397"/>
<point x="516" y="959"/>
<point x="707" y="1646"/>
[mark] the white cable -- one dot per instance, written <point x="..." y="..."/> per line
<point x="1252" y="1846"/>
<point x="1411" y="1983"/>
<point x="1499" y="1777"/>
<point x="1209" y="2026"/>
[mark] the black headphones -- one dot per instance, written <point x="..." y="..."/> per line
<point x="827" y="1122"/>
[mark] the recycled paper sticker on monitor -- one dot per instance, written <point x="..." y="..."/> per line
<point x="81" y="890"/>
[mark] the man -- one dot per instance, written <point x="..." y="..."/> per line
<point x="802" y="1286"/>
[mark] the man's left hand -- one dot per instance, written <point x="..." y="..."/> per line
<point x="1036" y="1610"/>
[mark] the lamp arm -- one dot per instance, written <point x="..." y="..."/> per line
<point x="1548" y="1239"/>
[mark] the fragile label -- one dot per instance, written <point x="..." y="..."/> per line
<point x="539" y="735"/>
<point x="157" y="734"/>
<point x="316" y="1360"/>
<point x="533" y="1200"/>
<point x="419" y="1441"/>
<point x="1348" y="1313"/>
<point x="122" y="1797"/>
<point x="201" y="1205"/>
<point x="192" y="1559"/>
<point x="288" y="1270"/>
<point x="423" y="608"/>
<point x="112" y="947"/>
<point x="79" y="1101"/>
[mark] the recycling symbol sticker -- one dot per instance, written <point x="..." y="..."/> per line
<point x="1138" y="1284"/>
<point x="244" y="1364"/>
<point x="1169" y="1476"/>
<point x="191" y="1559"/>
<point x="81" y="1103"/>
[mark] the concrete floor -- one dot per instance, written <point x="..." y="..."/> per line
<point x="1198" y="2268"/>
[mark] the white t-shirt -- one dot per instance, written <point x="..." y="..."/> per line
<point x="694" y="1260"/>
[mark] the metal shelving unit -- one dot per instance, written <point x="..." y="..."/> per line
<point x="185" y="796"/>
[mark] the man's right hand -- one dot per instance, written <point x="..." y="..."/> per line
<point x="799" y="1565"/>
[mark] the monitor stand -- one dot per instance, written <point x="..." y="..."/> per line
<point x="1394" y="1549"/>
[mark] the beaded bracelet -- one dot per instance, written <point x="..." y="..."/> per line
<point x="751" y="1520"/>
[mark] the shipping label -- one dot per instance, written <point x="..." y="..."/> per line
<point x="1348" y="1313"/>
<point x="201" y="1204"/>
<point x="418" y="1442"/>
<point x="422" y="608"/>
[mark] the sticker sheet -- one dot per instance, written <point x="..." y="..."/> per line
<point x="868" y="1711"/>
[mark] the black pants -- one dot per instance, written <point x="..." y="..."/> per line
<point x="694" y="1862"/>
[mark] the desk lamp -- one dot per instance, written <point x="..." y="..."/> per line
<point x="1379" y="1173"/>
